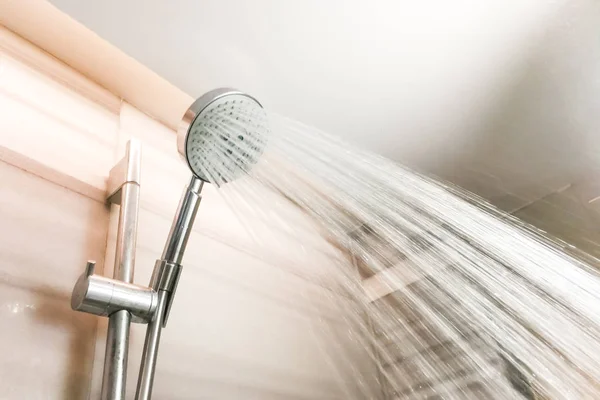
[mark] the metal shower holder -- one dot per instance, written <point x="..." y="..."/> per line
<point x="118" y="297"/>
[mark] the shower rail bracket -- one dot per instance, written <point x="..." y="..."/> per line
<point x="98" y="295"/>
<point x="127" y="170"/>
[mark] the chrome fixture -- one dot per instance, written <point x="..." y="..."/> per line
<point x="164" y="282"/>
<point x="205" y="135"/>
<point x="199" y="141"/>
<point x="192" y="140"/>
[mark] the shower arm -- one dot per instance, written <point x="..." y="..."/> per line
<point x="164" y="281"/>
<point x="194" y="145"/>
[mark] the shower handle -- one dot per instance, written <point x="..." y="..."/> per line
<point x="164" y="282"/>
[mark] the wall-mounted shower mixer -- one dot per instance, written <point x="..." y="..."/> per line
<point x="204" y="139"/>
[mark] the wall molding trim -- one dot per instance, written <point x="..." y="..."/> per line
<point x="68" y="41"/>
<point x="24" y="51"/>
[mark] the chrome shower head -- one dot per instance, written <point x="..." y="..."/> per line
<point x="222" y="135"/>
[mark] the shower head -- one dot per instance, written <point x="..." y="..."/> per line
<point x="222" y="135"/>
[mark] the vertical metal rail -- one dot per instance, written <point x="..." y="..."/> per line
<point x="123" y="189"/>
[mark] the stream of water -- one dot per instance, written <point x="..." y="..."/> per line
<point x="482" y="306"/>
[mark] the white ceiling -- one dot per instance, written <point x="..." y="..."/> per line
<point x="499" y="96"/>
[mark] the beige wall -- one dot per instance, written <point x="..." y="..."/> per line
<point x="249" y="321"/>
<point x="571" y="214"/>
<point x="46" y="232"/>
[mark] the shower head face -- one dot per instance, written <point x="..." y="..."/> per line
<point x="222" y="135"/>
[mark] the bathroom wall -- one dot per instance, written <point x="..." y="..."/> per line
<point x="54" y="146"/>
<point x="251" y="319"/>
<point x="571" y="214"/>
